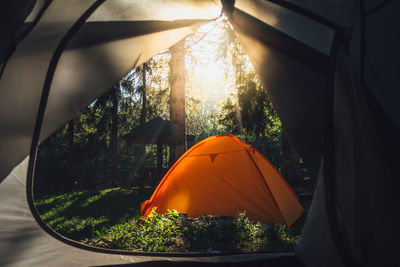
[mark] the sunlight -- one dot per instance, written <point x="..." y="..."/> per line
<point x="212" y="78"/>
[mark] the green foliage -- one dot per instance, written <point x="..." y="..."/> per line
<point x="175" y="232"/>
<point x="251" y="235"/>
<point x="109" y="218"/>
<point x="208" y="233"/>
<point x="158" y="233"/>
<point x="77" y="214"/>
<point x="229" y="117"/>
<point x="52" y="154"/>
<point x="92" y="149"/>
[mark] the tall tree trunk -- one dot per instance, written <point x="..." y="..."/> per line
<point x="114" y="135"/>
<point x="143" y="113"/>
<point x="70" y="155"/>
<point x="291" y="169"/>
<point x="177" y="100"/>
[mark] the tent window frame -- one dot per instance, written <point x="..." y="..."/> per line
<point x="328" y="153"/>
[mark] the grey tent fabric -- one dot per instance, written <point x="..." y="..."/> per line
<point x="382" y="64"/>
<point x="316" y="247"/>
<point x="291" y="53"/>
<point x="123" y="10"/>
<point x="366" y="194"/>
<point x="353" y="147"/>
<point x="36" y="10"/>
<point x="104" y="63"/>
<point x="24" y="243"/>
<point x="304" y="29"/>
<point x="338" y="11"/>
<point x="289" y="84"/>
<point x="23" y="77"/>
<point x="365" y="182"/>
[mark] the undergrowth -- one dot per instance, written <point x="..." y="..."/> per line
<point x="78" y="216"/>
<point x="175" y="232"/>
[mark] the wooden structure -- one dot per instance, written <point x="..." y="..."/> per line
<point x="156" y="131"/>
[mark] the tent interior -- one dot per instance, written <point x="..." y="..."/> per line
<point x="329" y="66"/>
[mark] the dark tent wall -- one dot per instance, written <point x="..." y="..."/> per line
<point x="329" y="67"/>
<point x="296" y="77"/>
<point x="381" y="63"/>
<point x="12" y="16"/>
<point x="342" y="113"/>
<point x="290" y="70"/>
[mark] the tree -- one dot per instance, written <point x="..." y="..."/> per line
<point x="257" y="113"/>
<point x="177" y="100"/>
<point x="145" y="67"/>
<point x="114" y="132"/>
<point x="229" y="117"/>
<point x="253" y="114"/>
<point x="70" y="154"/>
<point x="143" y="113"/>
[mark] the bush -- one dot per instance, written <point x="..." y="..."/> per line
<point x="110" y="218"/>
<point x="175" y="232"/>
<point x="157" y="233"/>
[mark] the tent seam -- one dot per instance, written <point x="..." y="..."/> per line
<point x="206" y="154"/>
<point x="262" y="176"/>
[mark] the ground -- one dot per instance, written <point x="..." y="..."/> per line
<point x="110" y="218"/>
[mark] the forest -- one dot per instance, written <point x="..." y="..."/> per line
<point x="120" y="146"/>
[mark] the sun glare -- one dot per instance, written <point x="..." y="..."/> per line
<point x="208" y="74"/>
<point x="211" y="77"/>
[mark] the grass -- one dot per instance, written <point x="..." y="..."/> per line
<point x="110" y="218"/>
<point x="77" y="215"/>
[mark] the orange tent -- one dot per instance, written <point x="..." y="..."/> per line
<point x="223" y="175"/>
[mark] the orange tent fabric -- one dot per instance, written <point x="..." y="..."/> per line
<point x="223" y="175"/>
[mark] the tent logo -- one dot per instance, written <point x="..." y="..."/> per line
<point x="213" y="156"/>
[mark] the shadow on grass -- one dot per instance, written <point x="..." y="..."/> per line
<point x="78" y="214"/>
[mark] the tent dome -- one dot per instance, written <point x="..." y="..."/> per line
<point x="223" y="175"/>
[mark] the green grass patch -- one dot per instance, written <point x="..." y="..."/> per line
<point x="109" y="218"/>
<point x="77" y="215"/>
